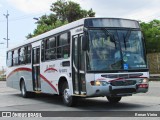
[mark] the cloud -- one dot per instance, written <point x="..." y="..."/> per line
<point x="134" y="9"/>
<point x="145" y="14"/>
<point x="31" y="6"/>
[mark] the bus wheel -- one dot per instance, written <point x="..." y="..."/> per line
<point x="113" y="99"/>
<point x="24" y="92"/>
<point x="66" y="95"/>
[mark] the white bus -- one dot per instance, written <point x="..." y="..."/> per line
<point x="91" y="57"/>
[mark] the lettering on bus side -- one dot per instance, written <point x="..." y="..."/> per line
<point x="50" y="69"/>
<point x="62" y="70"/>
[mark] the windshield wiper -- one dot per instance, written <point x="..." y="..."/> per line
<point x="126" y="37"/>
<point x="111" y="35"/>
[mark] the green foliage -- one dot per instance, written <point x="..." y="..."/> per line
<point x="63" y="13"/>
<point x="151" y="32"/>
<point x="70" y="11"/>
<point x="46" y="23"/>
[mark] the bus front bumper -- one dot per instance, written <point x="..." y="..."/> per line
<point x="110" y="90"/>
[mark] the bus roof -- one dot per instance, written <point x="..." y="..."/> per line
<point x="61" y="29"/>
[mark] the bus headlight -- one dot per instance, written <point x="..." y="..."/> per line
<point x="145" y="80"/>
<point x="99" y="83"/>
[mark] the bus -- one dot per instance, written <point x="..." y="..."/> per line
<point x="91" y="57"/>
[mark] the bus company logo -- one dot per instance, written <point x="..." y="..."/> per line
<point x="6" y="114"/>
<point x="50" y="68"/>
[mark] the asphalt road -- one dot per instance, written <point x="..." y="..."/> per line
<point x="11" y="100"/>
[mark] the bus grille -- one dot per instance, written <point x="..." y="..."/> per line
<point x="123" y="83"/>
<point x="123" y="91"/>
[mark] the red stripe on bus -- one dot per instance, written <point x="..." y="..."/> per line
<point x="30" y="70"/>
<point x="116" y="79"/>
<point x="48" y="69"/>
<point x="124" y="78"/>
<point x="45" y="79"/>
<point x="19" y="69"/>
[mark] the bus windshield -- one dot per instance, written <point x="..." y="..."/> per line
<point x="115" y="50"/>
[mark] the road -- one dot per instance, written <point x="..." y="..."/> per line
<point x="11" y="100"/>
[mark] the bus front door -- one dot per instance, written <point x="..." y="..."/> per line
<point x="78" y="66"/>
<point x="36" y="68"/>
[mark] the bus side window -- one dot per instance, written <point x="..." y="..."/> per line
<point x="52" y="47"/>
<point x="15" y="57"/>
<point x="47" y="53"/>
<point x="42" y="50"/>
<point x="21" y="56"/>
<point x="28" y="54"/>
<point x="66" y="49"/>
<point x="59" y="52"/>
<point x="9" y="59"/>
<point x="63" y="46"/>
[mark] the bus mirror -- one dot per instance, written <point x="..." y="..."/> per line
<point x="84" y="43"/>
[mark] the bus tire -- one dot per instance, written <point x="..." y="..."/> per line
<point x="24" y="92"/>
<point x="113" y="99"/>
<point x="68" y="100"/>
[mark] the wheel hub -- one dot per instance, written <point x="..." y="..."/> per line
<point x="67" y="95"/>
<point x="23" y="89"/>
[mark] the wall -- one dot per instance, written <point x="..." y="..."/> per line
<point x="154" y="62"/>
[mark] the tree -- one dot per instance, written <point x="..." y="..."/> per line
<point x="151" y="32"/>
<point x="59" y="8"/>
<point x="63" y="12"/>
<point x="46" y="23"/>
<point x="91" y="13"/>
<point x="29" y="36"/>
<point x="70" y="11"/>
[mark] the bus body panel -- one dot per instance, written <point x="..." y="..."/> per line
<point x="53" y="75"/>
<point x="14" y="75"/>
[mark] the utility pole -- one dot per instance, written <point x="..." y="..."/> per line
<point x="6" y="15"/>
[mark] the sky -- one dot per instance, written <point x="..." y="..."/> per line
<point x="22" y="12"/>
